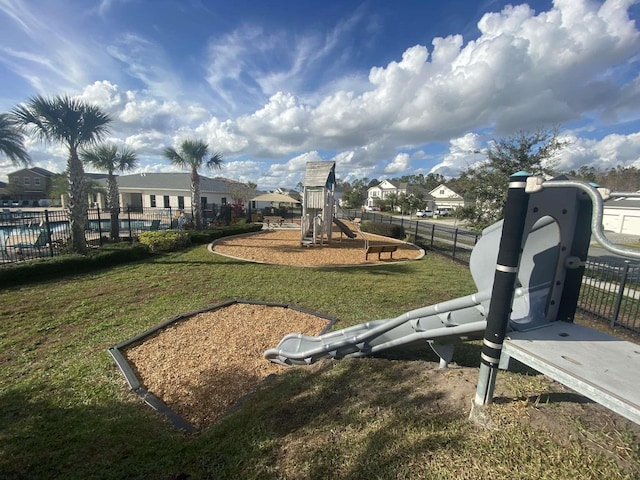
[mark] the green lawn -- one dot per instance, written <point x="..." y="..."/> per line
<point x="65" y="411"/>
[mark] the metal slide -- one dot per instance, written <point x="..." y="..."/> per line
<point x="444" y="324"/>
<point x="343" y="228"/>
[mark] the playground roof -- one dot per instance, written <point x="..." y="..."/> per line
<point x="319" y="174"/>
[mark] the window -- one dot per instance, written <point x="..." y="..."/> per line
<point x="180" y="202"/>
<point x="166" y="201"/>
<point x="36" y="180"/>
<point x="152" y="200"/>
<point x="203" y="202"/>
<point x="442" y="191"/>
<point x="26" y="180"/>
<point x="223" y="200"/>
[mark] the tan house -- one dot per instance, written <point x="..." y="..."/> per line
<point x="28" y="185"/>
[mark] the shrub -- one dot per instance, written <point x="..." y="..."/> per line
<point x="385" y="229"/>
<point x="210" y="234"/>
<point x="165" y="241"/>
<point x="113" y="254"/>
<point x="46" y="268"/>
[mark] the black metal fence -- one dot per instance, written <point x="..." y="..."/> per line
<point x="32" y="234"/>
<point x="610" y="291"/>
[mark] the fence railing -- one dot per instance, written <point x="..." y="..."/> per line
<point x="610" y="291"/>
<point x="33" y="234"/>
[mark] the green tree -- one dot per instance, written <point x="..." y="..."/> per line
<point x="355" y="194"/>
<point x="11" y="142"/>
<point x="110" y="159"/>
<point x="487" y="184"/>
<point x="391" y="201"/>
<point x="74" y="124"/>
<point x="194" y="154"/>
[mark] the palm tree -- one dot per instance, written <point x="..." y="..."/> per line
<point x="74" y="124"/>
<point x="192" y="154"/>
<point x="108" y="158"/>
<point x="11" y="144"/>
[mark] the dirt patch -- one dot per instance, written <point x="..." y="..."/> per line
<point x="282" y="247"/>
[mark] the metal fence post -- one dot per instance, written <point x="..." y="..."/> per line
<point x="433" y="232"/>
<point x="623" y="284"/>
<point x="99" y="225"/>
<point x="129" y="221"/>
<point x="455" y="242"/>
<point x="48" y="228"/>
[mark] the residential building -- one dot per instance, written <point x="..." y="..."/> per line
<point x="28" y="185"/>
<point x="173" y="190"/>
<point x="446" y="199"/>
<point x="622" y="215"/>
<point x="388" y="187"/>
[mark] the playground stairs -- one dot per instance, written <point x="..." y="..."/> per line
<point x="600" y="367"/>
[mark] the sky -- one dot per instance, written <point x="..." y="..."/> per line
<point x="383" y="88"/>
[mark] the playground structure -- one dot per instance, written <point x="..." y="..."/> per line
<point x="528" y="271"/>
<point x="318" y="205"/>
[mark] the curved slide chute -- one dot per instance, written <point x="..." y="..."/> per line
<point x="444" y="324"/>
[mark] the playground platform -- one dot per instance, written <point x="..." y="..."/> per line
<point x="594" y="364"/>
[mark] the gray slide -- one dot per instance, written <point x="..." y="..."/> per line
<point x="444" y="324"/>
<point x="343" y="228"/>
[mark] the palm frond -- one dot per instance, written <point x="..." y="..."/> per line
<point x="11" y="141"/>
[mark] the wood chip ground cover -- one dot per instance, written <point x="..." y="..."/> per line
<point x="201" y="366"/>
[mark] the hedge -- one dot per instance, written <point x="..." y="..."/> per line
<point x="18" y="273"/>
<point x="384" y="229"/>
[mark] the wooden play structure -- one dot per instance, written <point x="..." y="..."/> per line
<point x="317" y="203"/>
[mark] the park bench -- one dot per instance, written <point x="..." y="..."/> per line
<point x="380" y="249"/>
<point x="273" y="220"/>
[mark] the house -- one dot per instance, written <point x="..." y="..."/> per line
<point x="388" y="187"/>
<point x="446" y="199"/>
<point x="622" y="215"/>
<point x="28" y="185"/>
<point x="173" y="190"/>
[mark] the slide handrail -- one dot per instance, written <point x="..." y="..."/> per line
<point x="597" y="196"/>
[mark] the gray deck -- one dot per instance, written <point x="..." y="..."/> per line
<point x="598" y="366"/>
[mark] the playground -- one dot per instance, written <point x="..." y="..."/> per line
<point x="281" y="246"/>
<point x="68" y="412"/>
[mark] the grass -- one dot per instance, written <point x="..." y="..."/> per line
<point x="65" y="411"/>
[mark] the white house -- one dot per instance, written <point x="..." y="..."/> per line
<point x="173" y="190"/>
<point x="438" y="198"/>
<point x="445" y="198"/>
<point x="622" y="215"/>
<point x="388" y="187"/>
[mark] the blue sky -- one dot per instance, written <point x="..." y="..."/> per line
<point x="383" y="88"/>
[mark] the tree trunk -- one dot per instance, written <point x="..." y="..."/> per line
<point x="78" y="204"/>
<point x="196" y="206"/>
<point x="113" y="205"/>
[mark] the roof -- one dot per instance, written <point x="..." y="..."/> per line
<point x="173" y="181"/>
<point x="319" y="174"/>
<point x="42" y="171"/>
<point x="622" y="202"/>
<point x="37" y="170"/>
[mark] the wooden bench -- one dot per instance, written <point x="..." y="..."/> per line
<point x="275" y="220"/>
<point x="380" y="249"/>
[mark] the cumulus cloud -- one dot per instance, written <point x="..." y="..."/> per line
<point x="398" y="165"/>
<point x="573" y="64"/>
<point x="464" y="152"/>
<point x="609" y="152"/>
